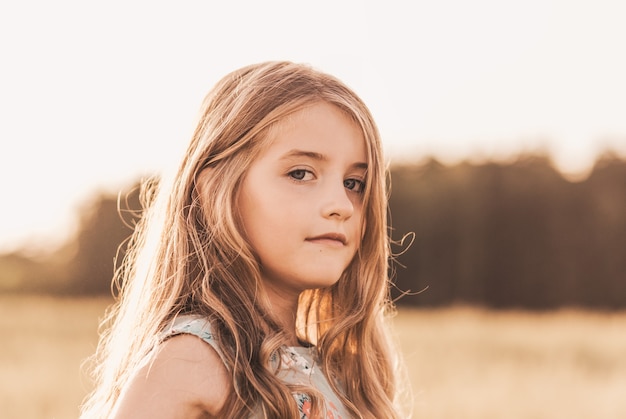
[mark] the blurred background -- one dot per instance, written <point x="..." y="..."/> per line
<point x="503" y="123"/>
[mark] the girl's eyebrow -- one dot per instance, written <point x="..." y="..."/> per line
<point x="301" y="153"/>
<point x="316" y="156"/>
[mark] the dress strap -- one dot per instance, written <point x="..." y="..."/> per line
<point x="193" y="325"/>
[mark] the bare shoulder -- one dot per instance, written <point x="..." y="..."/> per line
<point x="186" y="378"/>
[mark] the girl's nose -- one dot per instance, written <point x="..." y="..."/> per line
<point x="337" y="202"/>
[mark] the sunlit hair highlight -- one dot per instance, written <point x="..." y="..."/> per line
<point x="188" y="255"/>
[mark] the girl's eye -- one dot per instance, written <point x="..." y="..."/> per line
<point x="300" y="174"/>
<point x="354" y="185"/>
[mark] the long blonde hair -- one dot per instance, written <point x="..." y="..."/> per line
<point x="188" y="255"/>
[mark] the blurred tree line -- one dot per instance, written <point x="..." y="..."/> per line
<point x="492" y="234"/>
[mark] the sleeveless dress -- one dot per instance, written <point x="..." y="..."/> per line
<point x="298" y="366"/>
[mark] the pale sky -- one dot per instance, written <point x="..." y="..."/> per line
<point x="93" y="95"/>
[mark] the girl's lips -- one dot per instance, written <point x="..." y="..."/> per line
<point x="330" y="238"/>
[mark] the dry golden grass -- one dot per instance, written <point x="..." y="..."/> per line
<point x="463" y="363"/>
<point x="44" y="341"/>
<point x="469" y="363"/>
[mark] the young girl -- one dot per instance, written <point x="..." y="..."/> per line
<point x="256" y="282"/>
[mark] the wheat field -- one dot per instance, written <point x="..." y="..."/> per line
<point x="461" y="362"/>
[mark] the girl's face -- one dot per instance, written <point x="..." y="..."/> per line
<point x="301" y="199"/>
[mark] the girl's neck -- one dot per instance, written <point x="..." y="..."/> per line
<point x="283" y="306"/>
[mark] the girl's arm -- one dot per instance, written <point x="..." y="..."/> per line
<point x="185" y="379"/>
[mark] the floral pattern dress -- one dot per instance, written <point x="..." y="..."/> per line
<point x="297" y="367"/>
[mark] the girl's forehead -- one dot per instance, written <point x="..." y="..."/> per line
<point x="314" y="125"/>
<point x="321" y="111"/>
<point x="298" y="114"/>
